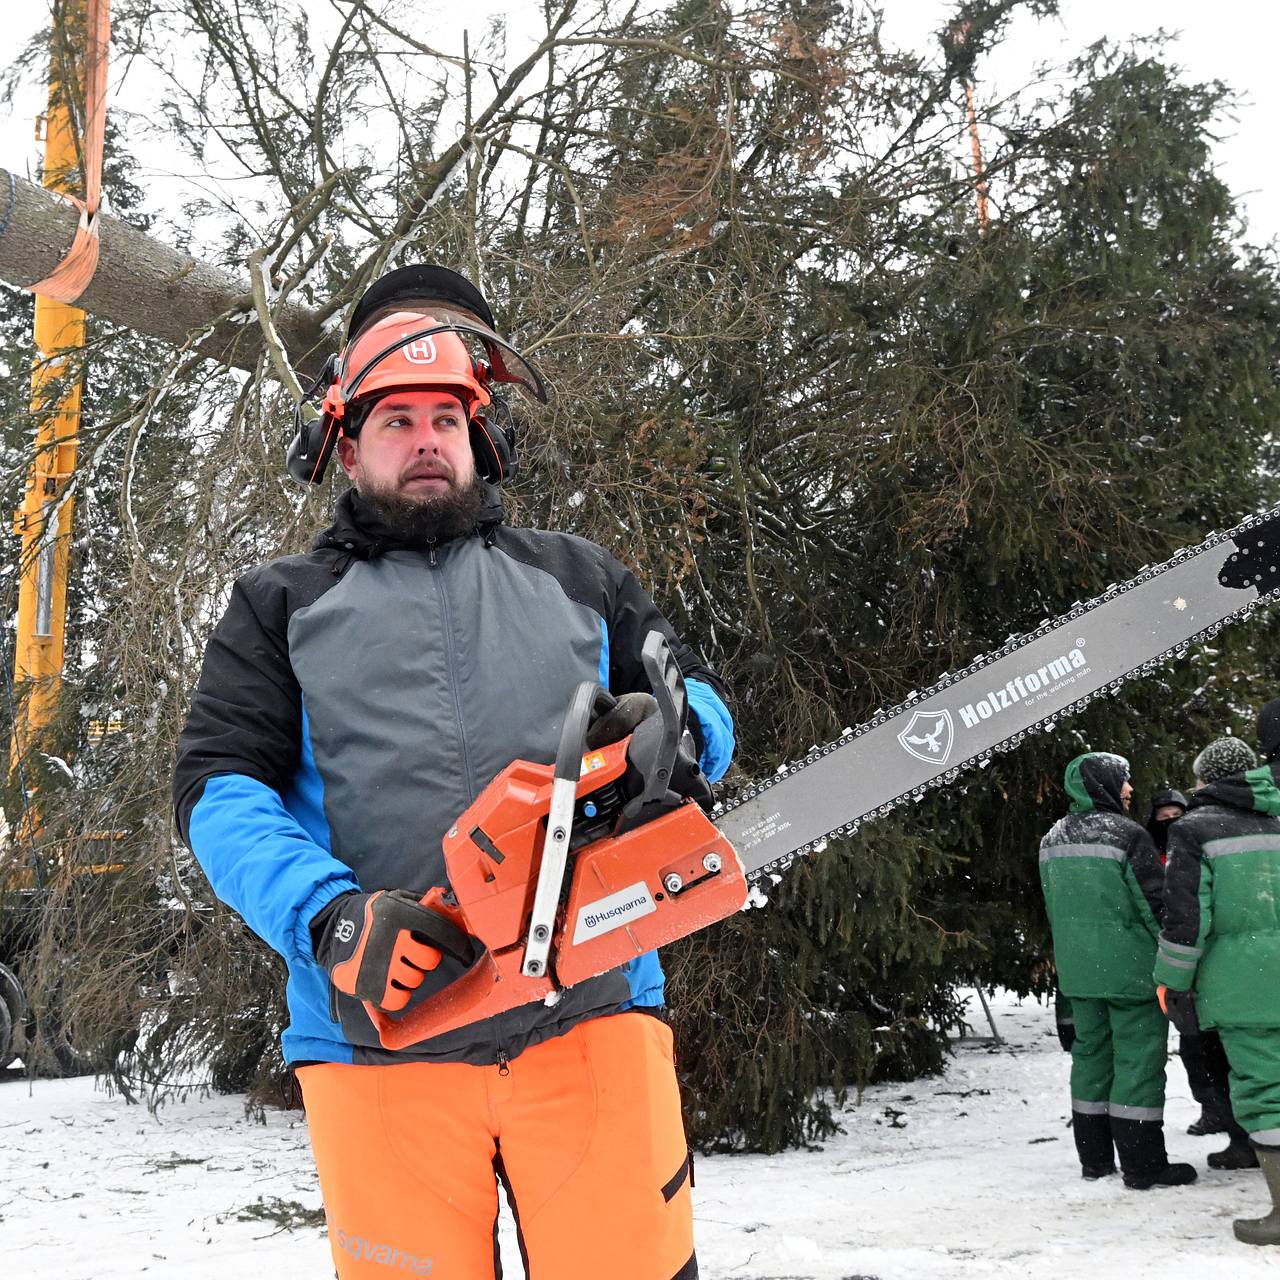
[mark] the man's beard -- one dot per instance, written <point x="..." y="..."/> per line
<point x="424" y="522"/>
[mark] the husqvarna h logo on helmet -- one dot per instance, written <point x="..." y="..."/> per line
<point x="928" y="736"/>
<point x="420" y="350"/>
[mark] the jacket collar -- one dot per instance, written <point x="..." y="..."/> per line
<point x="1257" y="791"/>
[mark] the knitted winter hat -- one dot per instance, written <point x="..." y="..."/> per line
<point x="1222" y="757"/>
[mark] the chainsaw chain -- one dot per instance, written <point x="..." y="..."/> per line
<point x="775" y="868"/>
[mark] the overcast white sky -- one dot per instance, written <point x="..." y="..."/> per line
<point x="1231" y="40"/>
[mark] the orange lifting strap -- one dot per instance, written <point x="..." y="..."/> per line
<point x="71" y="276"/>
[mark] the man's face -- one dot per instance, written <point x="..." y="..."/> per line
<point x="1167" y="812"/>
<point x="414" y="447"/>
<point x="1125" y="792"/>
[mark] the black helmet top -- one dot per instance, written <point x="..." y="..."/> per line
<point x="424" y="280"/>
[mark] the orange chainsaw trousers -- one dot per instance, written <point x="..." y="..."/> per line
<point x="584" y="1130"/>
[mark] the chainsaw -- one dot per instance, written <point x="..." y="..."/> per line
<point x="560" y="872"/>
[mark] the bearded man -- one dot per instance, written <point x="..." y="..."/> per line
<point x="354" y="702"/>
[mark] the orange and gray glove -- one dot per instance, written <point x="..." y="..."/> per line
<point x="1180" y="1008"/>
<point x="379" y="947"/>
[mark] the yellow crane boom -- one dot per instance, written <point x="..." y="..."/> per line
<point x="44" y="521"/>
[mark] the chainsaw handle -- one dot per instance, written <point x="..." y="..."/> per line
<point x="439" y="931"/>
<point x="462" y="955"/>
<point x="589" y="701"/>
<point x="667" y="682"/>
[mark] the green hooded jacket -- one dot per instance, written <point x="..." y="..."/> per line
<point x="1221" y="927"/>
<point x="1102" y="882"/>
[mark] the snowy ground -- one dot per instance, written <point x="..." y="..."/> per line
<point x="970" y="1175"/>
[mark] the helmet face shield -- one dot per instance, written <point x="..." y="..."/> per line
<point x="505" y="362"/>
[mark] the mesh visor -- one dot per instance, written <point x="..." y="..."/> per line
<point x="507" y="363"/>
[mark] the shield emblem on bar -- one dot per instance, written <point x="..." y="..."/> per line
<point x="928" y="736"/>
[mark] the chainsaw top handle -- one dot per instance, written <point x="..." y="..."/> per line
<point x="667" y="683"/>
<point x="589" y="701"/>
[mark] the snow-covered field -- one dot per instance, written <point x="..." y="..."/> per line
<point x="969" y="1175"/>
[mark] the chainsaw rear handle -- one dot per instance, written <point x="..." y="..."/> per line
<point x="460" y="954"/>
<point x="438" y="931"/>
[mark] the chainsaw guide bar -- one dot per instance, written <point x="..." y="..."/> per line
<point x="961" y="721"/>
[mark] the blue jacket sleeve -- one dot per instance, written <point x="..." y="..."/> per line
<point x="260" y="861"/>
<point x="717" y="739"/>
<point x="237" y="756"/>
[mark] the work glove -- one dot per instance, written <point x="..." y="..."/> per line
<point x="1180" y="1008"/>
<point x="621" y="719"/>
<point x="375" y="946"/>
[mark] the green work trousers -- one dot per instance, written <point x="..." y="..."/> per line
<point x="1254" y="1055"/>
<point x="1118" y="1059"/>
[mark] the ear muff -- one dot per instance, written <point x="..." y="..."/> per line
<point x="315" y="434"/>
<point x="494" y="452"/>
<point x="493" y="442"/>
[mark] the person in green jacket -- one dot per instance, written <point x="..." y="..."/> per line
<point x="1102" y="882"/>
<point x="1218" y="961"/>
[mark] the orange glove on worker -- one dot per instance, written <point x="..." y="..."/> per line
<point x="379" y="947"/>
<point x="1180" y="1008"/>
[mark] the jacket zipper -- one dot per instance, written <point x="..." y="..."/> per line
<point x="447" y="626"/>
<point x="504" y="1063"/>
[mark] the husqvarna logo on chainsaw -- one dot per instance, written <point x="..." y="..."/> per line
<point x="420" y="350"/>
<point x="606" y="914"/>
<point x="928" y="736"/>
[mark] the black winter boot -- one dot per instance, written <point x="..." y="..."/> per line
<point x="1265" y="1230"/>
<point x="1215" y="1114"/>
<point x="1093" y="1144"/>
<point x="1168" y="1175"/>
<point x="1210" y="1121"/>
<point x="1207" y="1073"/>
<point x="1140" y="1144"/>
<point x="1237" y="1154"/>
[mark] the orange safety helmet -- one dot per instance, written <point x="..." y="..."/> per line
<point x="405" y="351"/>
<point x="419" y="328"/>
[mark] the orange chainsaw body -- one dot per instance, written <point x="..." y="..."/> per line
<point x="619" y="902"/>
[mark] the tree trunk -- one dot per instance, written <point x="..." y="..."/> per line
<point x="146" y="286"/>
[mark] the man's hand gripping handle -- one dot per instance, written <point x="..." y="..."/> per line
<point x="380" y="947"/>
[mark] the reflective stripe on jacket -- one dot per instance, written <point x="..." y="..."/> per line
<point x="1221" y="928"/>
